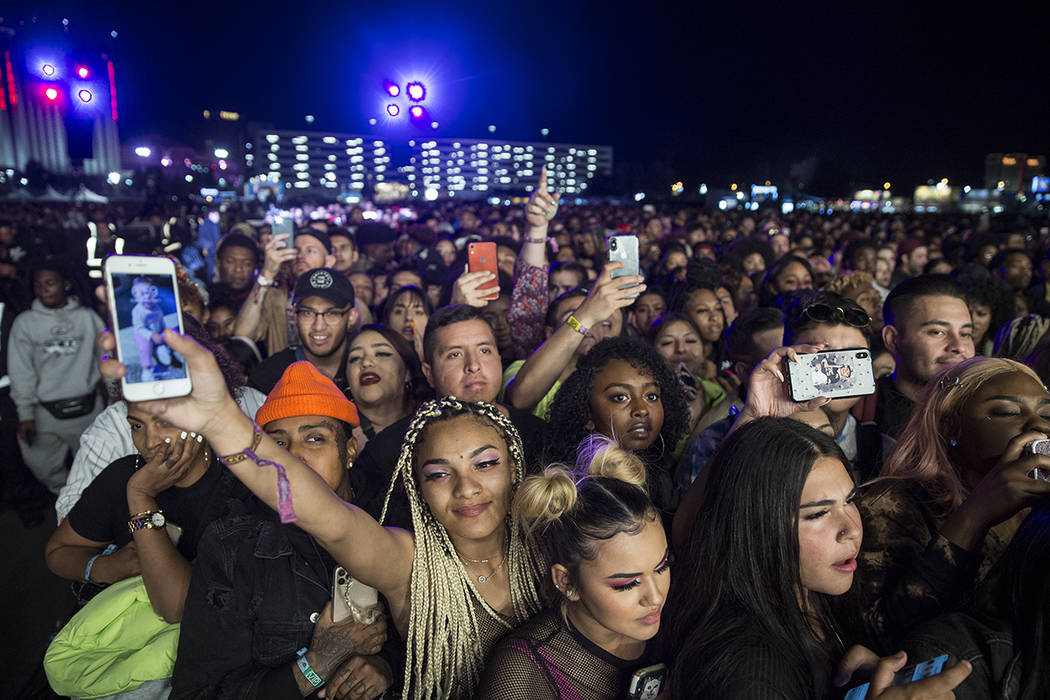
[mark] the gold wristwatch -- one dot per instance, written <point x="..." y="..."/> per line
<point x="147" y="520"/>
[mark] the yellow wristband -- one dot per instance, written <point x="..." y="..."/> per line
<point x="574" y="323"/>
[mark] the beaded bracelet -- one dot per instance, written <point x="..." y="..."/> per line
<point x="284" y="489"/>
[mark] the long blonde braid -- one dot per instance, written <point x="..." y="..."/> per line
<point x="444" y="653"/>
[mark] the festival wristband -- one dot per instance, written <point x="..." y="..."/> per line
<point x="284" y="489"/>
<point x="91" y="562"/>
<point x="307" y="670"/>
<point x="575" y="324"/>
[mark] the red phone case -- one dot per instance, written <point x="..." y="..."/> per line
<point x="481" y="257"/>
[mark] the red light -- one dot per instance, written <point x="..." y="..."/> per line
<point x="51" y="94"/>
<point x="82" y="71"/>
<point x="112" y="90"/>
<point x="416" y="111"/>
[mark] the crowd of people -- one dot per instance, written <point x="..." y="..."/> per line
<point x="563" y="481"/>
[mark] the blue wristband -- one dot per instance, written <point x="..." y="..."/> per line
<point x="307" y="670"/>
<point x="91" y="562"/>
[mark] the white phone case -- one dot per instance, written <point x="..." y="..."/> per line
<point x="835" y="374"/>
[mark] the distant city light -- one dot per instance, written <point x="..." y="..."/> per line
<point x="967" y="189"/>
<point x="393" y="110"/>
<point x="47" y="69"/>
<point x="886" y="185"/>
<point x="416" y="91"/>
<point x="492" y="128"/>
<point x="372" y="121"/>
<point x="83" y="72"/>
<point x="733" y="187"/>
<point x="703" y="188"/>
<point x="143" y="151"/>
<point x="222" y="165"/>
<point x="51" y="94"/>
<point x="189" y="178"/>
<point x="221" y="153"/>
<point x="544" y="131"/>
<point x="433" y="125"/>
<point x="113" y="178"/>
<point x="84" y="95"/>
<point x="113" y="33"/>
<point x="416" y="111"/>
<point x="639" y="196"/>
<point x="309" y="119"/>
<point x="165" y="161"/>
<point x="430" y="194"/>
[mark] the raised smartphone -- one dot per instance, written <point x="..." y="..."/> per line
<point x="281" y="222"/>
<point x="835" y="374"/>
<point x="624" y="249"/>
<point x="350" y="597"/>
<point x="481" y="257"/>
<point x="143" y="302"/>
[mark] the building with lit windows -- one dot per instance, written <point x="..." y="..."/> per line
<point x="306" y="160"/>
<point x="478" y="167"/>
<point x="1012" y="172"/>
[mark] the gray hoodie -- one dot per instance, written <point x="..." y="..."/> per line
<point x="52" y="355"/>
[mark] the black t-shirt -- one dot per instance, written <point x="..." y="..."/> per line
<point x="370" y="476"/>
<point x="102" y="513"/>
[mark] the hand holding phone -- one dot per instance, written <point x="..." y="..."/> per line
<point x="144" y="302"/>
<point x="646" y="683"/>
<point x="930" y="679"/>
<point x="481" y="257"/>
<point x="831" y="373"/>
<point x="624" y="249"/>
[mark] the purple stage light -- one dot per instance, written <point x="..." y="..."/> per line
<point x="51" y="94"/>
<point x="84" y="95"/>
<point x="83" y="72"/>
<point x="416" y="111"/>
<point x="416" y="91"/>
<point x="393" y="110"/>
<point x="392" y="89"/>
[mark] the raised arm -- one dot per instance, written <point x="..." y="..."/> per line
<point x="250" y="315"/>
<point x="546" y="364"/>
<point x="374" y="555"/>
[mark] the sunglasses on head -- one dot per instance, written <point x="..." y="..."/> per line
<point x="825" y="313"/>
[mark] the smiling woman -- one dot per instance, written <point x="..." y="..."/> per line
<point x="608" y="579"/>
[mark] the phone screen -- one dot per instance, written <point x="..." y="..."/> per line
<point x="145" y="306"/>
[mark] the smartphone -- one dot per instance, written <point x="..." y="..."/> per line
<point x="1039" y="447"/>
<point x="481" y="257"/>
<point x="833" y="373"/>
<point x="647" y="682"/>
<point x="351" y="597"/>
<point x="624" y="249"/>
<point x="909" y="674"/>
<point x="281" y="222"/>
<point x="143" y="302"/>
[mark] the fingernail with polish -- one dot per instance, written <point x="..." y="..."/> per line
<point x="200" y="438"/>
<point x="167" y="441"/>
<point x="183" y="435"/>
<point x="105" y="357"/>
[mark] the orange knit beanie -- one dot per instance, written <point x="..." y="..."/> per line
<point x="304" y="391"/>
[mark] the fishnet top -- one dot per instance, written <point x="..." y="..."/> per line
<point x="548" y="659"/>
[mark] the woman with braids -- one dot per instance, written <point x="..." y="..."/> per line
<point x="624" y="390"/>
<point x="454" y="586"/>
<point x="608" y="579"/>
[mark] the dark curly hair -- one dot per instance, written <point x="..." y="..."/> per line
<point x="570" y="410"/>
<point x="984" y="288"/>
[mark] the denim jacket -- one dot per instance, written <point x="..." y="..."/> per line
<point x="256" y="592"/>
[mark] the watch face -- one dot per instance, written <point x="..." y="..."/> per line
<point x="157" y="519"/>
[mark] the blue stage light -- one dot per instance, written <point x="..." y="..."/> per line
<point x="47" y="69"/>
<point x="393" y="110"/>
<point x="416" y="91"/>
<point x="84" y="95"/>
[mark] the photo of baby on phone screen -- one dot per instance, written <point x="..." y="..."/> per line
<point x="145" y="307"/>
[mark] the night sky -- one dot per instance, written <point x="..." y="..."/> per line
<point x="737" y="92"/>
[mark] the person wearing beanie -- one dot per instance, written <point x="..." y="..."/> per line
<point x="276" y="579"/>
<point x="323" y="311"/>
